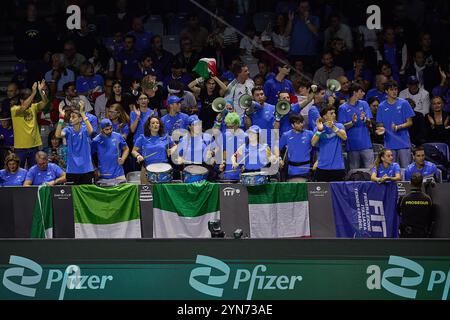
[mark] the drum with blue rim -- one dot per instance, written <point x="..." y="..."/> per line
<point x="254" y="178"/>
<point x="194" y="173"/>
<point x="159" y="173"/>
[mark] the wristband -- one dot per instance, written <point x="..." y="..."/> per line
<point x="61" y="121"/>
<point x="335" y="129"/>
<point x="318" y="134"/>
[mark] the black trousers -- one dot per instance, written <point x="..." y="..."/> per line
<point x="80" y="178"/>
<point x="329" y="175"/>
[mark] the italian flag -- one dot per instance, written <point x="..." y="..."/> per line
<point x="111" y="213"/>
<point x="205" y="67"/>
<point x="278" y="210"/>
<point x="183" y="210"/>
<point x="42" y="225"/>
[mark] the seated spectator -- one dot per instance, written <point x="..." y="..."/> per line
<point x="72" y="59"/>
<point x="420" y="96"/>
<point x="142" y="37"/>
<point x="438" y="122"/>
<point x="84" y="39"/>
<point x="384" y="168"/>
<point x="72" y="98"/>
<point x="88" y="83"/>
<point x="58" y="76"/>
<point x="385" y="68"/>
<point x="187" y="58"/>
<point x="6" y="137"/>
<point x="154" y="92"/>
<point x="327" y="71"/>
<point x="425" y="168"/>
<point x="360" y="72"/>
<point x="56" y="151"/>
<point x="116" y="95"/>
<point x="378" y="92"/>
<point x="259" y="81"/>
<point x="44" y="172"/>
<point x="426" y="46"/>
<point x="248" y="47"/>
<point x="196" y="32"/>
<point x="443" y="89"/>
<point x="188" y="102"/>
<point x="274" y="86"/>
<point x="341" y="55"/>
<point x="282" y="31"/>
<point x="12" y="175"/>
<point x="299" y="72"/>
<point x="344" y="93"/>
<point x="114" y="44"/>
<point x="337" y="29"/>
<point x="12" y="99"/>
<point x="103" y="63"/>
<point x="162" y="59"/>
<point x="179" y="74"/>
<point x="417" y="132"/>
<point x="426" y="74"/>
<point x="269" y="53"/>
<point x="127" y="60"/>
<point x="21" y="76"/>
<point x="145" y="68"/>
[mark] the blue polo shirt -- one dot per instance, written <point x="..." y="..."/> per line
<point x="299" y="150"/>
<point x="8" y="179"/>
<point x="390" y="171"/>
<point x="285" y="124"/>
<point x="141" y="122"/>
<point x="84" y="84"/>
<point x="125" y="129"/>
<point x="154" y="148"/>
<point x="330" y="156"/>
<point x="108" y="150"/>
<point x="172" y="123"/>
<point x="272" y="87"/>
<point x="358" y="136"/>
<point x="79" y="158"/>
<point x="429" y="169"/>
<point x="38" y="176"/>
<point x="396" y="113"/>
<point x="303" y="41"/>
<point x="313" y="115"/>
<point x="375" y="93"/>
<point x="264" y="118"/>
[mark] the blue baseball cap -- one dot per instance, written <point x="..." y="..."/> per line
<point x="193" y="120"/>
<point x="105" y="123"/>
<point x="412" y="80"/>
<point x="173" y="99"/>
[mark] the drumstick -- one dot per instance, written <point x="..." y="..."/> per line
<point x="284" y="157"/>
<point x="151" y="154"/>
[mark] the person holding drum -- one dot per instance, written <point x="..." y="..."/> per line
<point x="297" y="145"/>
<point x="153" y="147"/>
<point x="175" y="119"/>
<point x="112" y="151"/>
<point x="195" y="150"/>
<point x="233" y="138"/>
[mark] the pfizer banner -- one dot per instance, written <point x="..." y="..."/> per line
<point x="365" y="209"/>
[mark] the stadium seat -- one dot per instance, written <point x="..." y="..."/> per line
<point x="154" y="24"/>
<point x="176" y="24"/>
<point x="442" y="147"/>
<point x="171" y="43"/>
<point x="262" y="19"/>
<point x="239" y="22"/>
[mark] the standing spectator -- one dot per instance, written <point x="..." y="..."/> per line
<point x="12" y="175"/>
<point x="329" y="135"/>
<point x="438" y="122"/>
<point x="355" y="115"/>
<point x="58" y="76"/>
<point x="44" y="173"/>
<point x="102" y="100"/>
<point x="341" y="56"/>
<point x="270" y="53"/>
<point x="175" y="119"/>
<point x="84" y="40"/>
<point x="379" y="91"/>
<point x="417" y="132"/>
<point x="395" y="116"/>
<point x="116" y="95"/>
<point x="12" y="98"/>
<point x="139" y="116"/>
<point x="374" y="137"/>
<point x="119" y="119"/>
<point x="282" y="31"/>
<point x="263" y="69"/>
<point x="27" y="138"/>
<point x="103" y="63"/>
<point x="142" y="37"/>
<point x="248" y="47"/>
<point x="6" y="137"/>
<point x="359" y="72"/>
<point x="111" y="150"/>
<point x="188" y="102"/>
<point x="443" y="89"/>
<point x="197" y="33"/>
<point x="425" y="45"/>
<point x="274" y="86"/>
<point x="314" y="110"/>
<point x="337" y="29"/>
<point x="305" y="34"/>
<point x="88" y="83"/>
<point x="127" y="60"/>
<point x="328" y="71"/>
<point x="162" y="59"/>
<point x="264" y="115"/>
<point x="344" y="93"/>
<point x="239" y="86"/>
<point x="426" y="74"/>
<point x="121" y="19"/>
<point x="154" y="92"/>
<point x="72" y="59"/>
<point x="56" y="151"/>
<point x="393" y="51"/>
<point x="420" y="96"/>
<point x="79" y="161"/>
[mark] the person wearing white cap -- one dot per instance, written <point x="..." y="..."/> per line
<point x="112" y="151"/>
<point x="175" y="119"/>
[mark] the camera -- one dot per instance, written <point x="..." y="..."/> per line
<point x="215" y="228"/>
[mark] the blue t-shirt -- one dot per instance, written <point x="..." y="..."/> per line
<point x="172" y="123"/>
<point x="79" y="158"/>
<point x="429" y="169"/>
<point x="299" y="150"/>
<point x="108" y="150"/>
<point x="84" y="84"/>
<point x="154" y="148"/>
<point x="397" y="114"/>
<point x="285" y="124"/>
<point x="125" y="129"/>
<point x="8" y="179"/>
<point x="358" y="136"/>
<point x="38" y="176"/>
<point x="313" y="115"/>
<point x="303" y="41"/>
<point x="375" y="93"/>
<point x="193" y="149"/>
<point x="143" y="40"/>
<point x="330" y="156"/>
<point x="129" y="61"/>
<point x="390" y="171"/>
<point x="264" y="118"/>
<point x="255" y="156"/>
<point x="8" y="137"/>
<point x="273" y="87"/>
<point x="141" y="122"/>
<point x="93" y="120"/>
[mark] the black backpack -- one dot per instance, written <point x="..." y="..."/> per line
<point x="358" y="176"/>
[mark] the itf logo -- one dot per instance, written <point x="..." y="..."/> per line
<point x="229" y="191"/>
<point x="21" y="287"/>
<point x="212" y="280"/>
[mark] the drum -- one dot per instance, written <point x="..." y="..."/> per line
<point x="159" y="172"/>
<point x="110" y="182"/>
<point x="194" y="173"/>
<point x="254" y="178"/>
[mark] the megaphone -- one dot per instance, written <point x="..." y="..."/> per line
<point x="246" y="104"/>
<point x="219" y="104"/>
<point x="282" y="108"/>
<point x="333" y="86"/>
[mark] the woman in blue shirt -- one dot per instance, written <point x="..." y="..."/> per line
<point x="12" y="175"/>
<point x="154" y="146"/>
<point x="120" y="120"/>
<point x="384" y="168"/>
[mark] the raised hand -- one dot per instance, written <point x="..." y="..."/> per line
<point x="354" y="118"/>
<point x="82" y="105"/>
<point x="363" y="116"/>
<point x="319" y="124"/>
<point x="442" y="73"/>
<point x="34" y="87"/>
<point x="41" y="85"/>
<point x="62" y="113"/>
